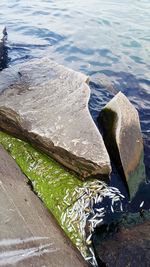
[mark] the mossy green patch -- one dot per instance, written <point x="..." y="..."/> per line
<point x="56" y="186"/>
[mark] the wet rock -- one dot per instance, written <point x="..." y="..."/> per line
<point x="47" y="104"/>
<point x="123" y="139"/>
<point x="128" y="247"/>
<point x="3" y="34"/>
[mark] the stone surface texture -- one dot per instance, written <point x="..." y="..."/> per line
<point x="29" y="235"/>
<point x="128" y="247"/>
<point x="123" y="138"/>
<point x="47" y="104"/>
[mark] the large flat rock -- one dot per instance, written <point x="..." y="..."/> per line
<point x="29" y="235"/>
<point x="47" y="104"/>
<point x="123" y="138"/>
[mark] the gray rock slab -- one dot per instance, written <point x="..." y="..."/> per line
<point x="128" y="247"/>
<point x="29" y="235"/>
<point x="47" y="104"/>
<point x="123" y="138"/>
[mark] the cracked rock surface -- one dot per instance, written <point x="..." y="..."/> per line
<point x="47" y="104"/>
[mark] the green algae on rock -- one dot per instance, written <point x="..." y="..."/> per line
<point x="68" y="198"/>
<point x="54" y="185"/>
<point x="28" y="234"/>
<point x="49" y="179"/>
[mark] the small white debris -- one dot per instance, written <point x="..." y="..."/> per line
<point x="142" y="203"/>
<point x="84" y="212"/>
<point x="112" y="209"/>
<point x="121" y="208"/>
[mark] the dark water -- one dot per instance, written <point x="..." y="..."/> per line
<point x="108" y="40"/>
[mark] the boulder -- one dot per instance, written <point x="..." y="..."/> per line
<point x="47" y="104"/>
<point x="123" y="139"/>
<point x="128" y="247"/>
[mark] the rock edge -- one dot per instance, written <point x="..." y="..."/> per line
<point x="47" y="104"/>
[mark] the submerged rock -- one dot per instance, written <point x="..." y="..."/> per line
<point x="123" y="138"/>
<point x="47" y="104"/>
<point x="128" y="247"/>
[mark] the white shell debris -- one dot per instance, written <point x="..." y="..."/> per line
<point x="142" y="203"/>
<point x="83" y="212"/>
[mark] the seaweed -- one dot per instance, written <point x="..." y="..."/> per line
<point x="76" y="204"/>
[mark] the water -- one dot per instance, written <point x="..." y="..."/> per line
<point x="107" y="40"/>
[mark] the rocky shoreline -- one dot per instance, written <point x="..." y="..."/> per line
<point x="46" y="104"/>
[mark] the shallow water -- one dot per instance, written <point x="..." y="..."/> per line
<point x="108" y="40"/>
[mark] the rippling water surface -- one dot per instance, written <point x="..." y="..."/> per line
<point x="108" y="40"/>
